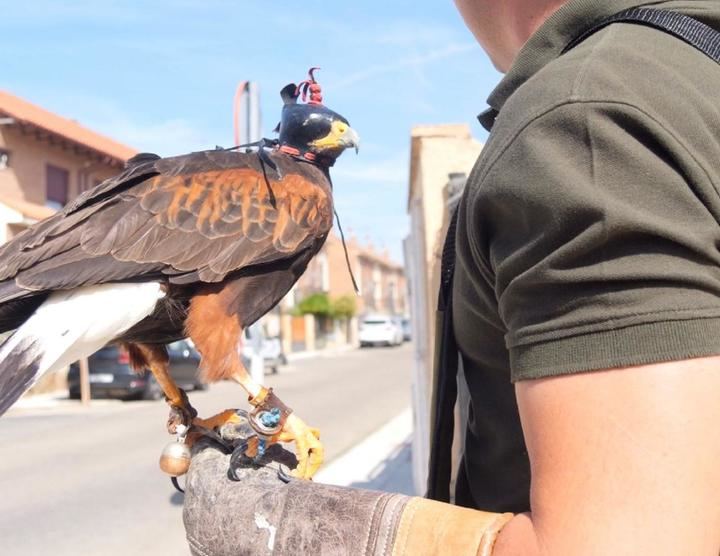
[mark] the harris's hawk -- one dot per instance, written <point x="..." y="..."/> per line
<point x="198" y="246"/>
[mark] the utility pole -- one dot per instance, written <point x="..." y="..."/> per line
<point x="84" y="382"/>
<point x="247" y="119"/>
<point x="247" y="127"/>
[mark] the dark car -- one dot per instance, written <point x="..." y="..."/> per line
<point x="112" y="377"/>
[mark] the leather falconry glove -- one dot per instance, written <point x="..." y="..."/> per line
<point x="262" y="514"/>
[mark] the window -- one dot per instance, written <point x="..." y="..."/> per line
<point x="377" y="285"/>
<point x="4" y="159"/>
<point x="57" y="181"/>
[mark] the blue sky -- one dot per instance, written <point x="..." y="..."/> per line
<point x="160" y="76"/>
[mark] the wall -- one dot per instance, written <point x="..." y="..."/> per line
<point x="7" y="216"/>
<point x="436" y="152"/>
<point x="25" y="177"/>
<point x="340" y="282"/>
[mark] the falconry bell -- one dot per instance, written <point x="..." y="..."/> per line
<point x="175" y="457"/>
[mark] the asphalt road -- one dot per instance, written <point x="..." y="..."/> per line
<point x="86" y="481"/>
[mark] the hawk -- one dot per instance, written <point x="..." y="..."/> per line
<point x="198" y="246"/>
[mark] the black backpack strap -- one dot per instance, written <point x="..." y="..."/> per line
<point x="694" y="32"/>
<point x="447" y="264"/>
<point x="445" y="370"/>
<point x="704" y="38"/>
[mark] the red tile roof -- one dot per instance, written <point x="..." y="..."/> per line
<point x="27" y="113"/>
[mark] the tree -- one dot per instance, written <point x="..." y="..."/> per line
<point x="344" y="307"/>
<point x="317" y="304"/>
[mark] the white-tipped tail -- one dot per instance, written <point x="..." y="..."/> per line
<point x="68" y="326"/>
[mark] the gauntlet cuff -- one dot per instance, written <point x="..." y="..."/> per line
<point x="428" y="528"/>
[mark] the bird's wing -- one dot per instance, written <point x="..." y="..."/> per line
<point x="197" y="218"/>
<point x="139" y="168"/>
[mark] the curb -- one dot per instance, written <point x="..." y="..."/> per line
<point x="47" y="399"/>
<point x="54" y="403"/>
<point x="361" y="463"/>
<point x="331" y="352"/>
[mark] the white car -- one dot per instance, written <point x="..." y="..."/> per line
<point x="270" y="349"/>
<point x="380" y="330"/>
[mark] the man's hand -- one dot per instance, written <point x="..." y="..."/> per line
<point x="624" y="461"/>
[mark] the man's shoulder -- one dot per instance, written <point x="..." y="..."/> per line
<point x="645" y="69"/>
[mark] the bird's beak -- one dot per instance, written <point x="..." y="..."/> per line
<point x="351" y="139"/>
<point x="341" y="136"/>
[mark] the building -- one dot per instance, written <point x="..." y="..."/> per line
<point x="45" y="161"/>
<point x="440" y="158"/>
<point x="380" y="280"/>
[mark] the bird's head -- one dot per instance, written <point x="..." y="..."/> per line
<point x="311" y="129"/>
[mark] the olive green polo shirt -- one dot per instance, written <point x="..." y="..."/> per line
<point x="588" y="234"/>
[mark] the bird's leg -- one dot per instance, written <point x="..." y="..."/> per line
<point x="273" y="418"/>
<point x="274" y="422"/>
<point x="155" y="358"/>
<point x="216" y="332"/>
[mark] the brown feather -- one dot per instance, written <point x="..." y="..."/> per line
<point x="215" y="333"/>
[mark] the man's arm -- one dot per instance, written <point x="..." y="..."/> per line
<point x="624" y="461"/>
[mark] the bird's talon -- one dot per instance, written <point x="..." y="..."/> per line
<point x="284" y="476"/>
<point x="308" y="449"/>
<point x="180" y="415"/>
<point x="245" y="454"/>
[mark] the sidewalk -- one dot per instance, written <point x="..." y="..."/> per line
<point x="380" y="462"/>
<point x="329" y="352"/>
<point x="55" y="401"/>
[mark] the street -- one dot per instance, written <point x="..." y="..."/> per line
<point x="86" y="481"/>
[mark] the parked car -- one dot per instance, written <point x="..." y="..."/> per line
<point x="112" y="377"/>
<point x="270" y="349"/>
<point x="380" y="330"/>
<point x="406" y="326"/>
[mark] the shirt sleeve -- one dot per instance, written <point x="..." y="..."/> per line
<point x="601" y="232"/>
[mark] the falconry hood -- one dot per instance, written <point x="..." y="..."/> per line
<point x="310" y="129"/>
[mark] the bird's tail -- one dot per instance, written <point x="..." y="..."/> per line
<point x="43" y="342"/>
<point x="67" y="326"/>
<point x="20" y="357"/>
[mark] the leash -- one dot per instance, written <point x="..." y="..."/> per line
<point x="347" y="256"/>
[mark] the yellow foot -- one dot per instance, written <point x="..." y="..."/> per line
<point x="211" y="423"/>
<point x="308" y="449"/>
<point x="227" y="416"/>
